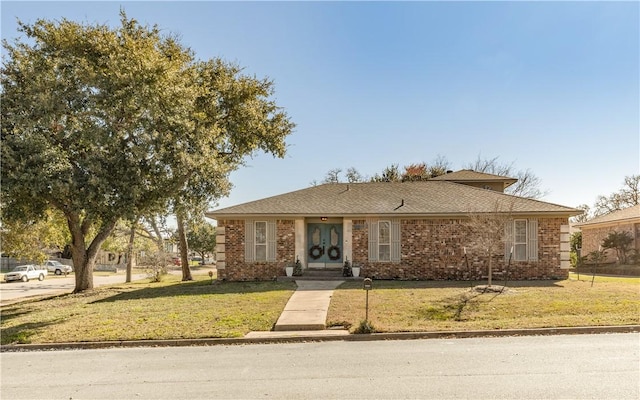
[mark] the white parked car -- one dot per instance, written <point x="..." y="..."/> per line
<point x="57" y="267"/>
<point x="25" y="272"/>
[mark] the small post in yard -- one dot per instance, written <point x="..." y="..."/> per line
<point x="367" y="285"/>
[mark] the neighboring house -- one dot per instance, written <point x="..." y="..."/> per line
<point x="596" y="230"/>
<point x="410" y="230"/>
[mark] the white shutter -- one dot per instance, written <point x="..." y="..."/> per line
<point x="532" y="239"/>
<point x="271" y="240"/>
<point x="508" y="240"/>
<point x="249" y="237"/>
<point x="373" y="239"/>
<point x="395" y="240"/>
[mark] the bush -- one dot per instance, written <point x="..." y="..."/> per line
<point x="365" y="327"/>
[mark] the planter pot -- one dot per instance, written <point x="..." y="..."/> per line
<point x="356" y="271"/>
<point x="289" y="271"/>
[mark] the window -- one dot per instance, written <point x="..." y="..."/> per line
<point x="261" y="241"/>
<point x="521" y="237"/>
<point x="384" y="241"/>
<point x="520" y="240"/>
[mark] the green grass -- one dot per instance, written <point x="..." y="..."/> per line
<point x="167" y="310"/>
<point x="172" y="309"/>
<point x="441" y="306"/>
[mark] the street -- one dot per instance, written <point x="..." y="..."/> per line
<point x="605" y="366"/>
<point x="52" y="284"/>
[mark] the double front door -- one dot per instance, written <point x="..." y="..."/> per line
<point x="324" y="245"/>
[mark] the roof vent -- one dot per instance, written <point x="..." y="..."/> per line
<point x="449" y="171"/>
<point x="401" y="204"/>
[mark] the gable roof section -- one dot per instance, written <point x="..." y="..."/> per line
<point x="428" y="198"/>
<point x="627" y="214"/>
<point x="468" y="175"/>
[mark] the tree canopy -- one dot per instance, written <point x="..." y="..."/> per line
<point x="108" y="123"/>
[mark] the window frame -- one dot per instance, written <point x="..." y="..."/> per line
<point x="386" y="244"/>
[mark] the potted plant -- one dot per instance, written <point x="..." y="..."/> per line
<point x="297" y="268"/>
<point x="355" y="270"/>
<point x="289" y="270"/>
<point x="346" y="269"/>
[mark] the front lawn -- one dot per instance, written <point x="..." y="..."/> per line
<point x="437" y="306"/>
<point x="167" y="310"/>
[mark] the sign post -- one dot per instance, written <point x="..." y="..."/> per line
<point x="367" y="285"/>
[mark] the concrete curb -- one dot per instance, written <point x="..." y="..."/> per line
<point x="284" y="338"/>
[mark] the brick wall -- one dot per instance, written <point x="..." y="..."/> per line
<point x="236" y="269"/>
<point x="431" y="249"/>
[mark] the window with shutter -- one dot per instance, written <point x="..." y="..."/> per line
<point x="384" y="240"/>
<point x="249" y="237"/>
<point x="395" y="240"/>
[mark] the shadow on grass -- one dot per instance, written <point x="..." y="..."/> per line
<point x="21" y="334"/>
<point x="196" y="288"/>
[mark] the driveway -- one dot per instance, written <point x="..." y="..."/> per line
<point x="15" y="291"/>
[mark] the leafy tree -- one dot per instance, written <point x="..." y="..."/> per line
<point x="415" y="172"/>
<point x="627" y="196"/>
<point x="620" y="241"/>
<point x="34" y="240"/>
<point x="575" y="241"/>
<point x="389" y="174"/>
<point x="202" y="239"/>
<point x="107" y="124"/>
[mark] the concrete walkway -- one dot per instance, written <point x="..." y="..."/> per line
<point x="307" y="307"/>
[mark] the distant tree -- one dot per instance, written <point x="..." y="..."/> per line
<point x="627" y="196"/>
<point x="620" y="241"/>
<point x="332" y="176"/>
<point x="415" y="172"/>
<point x="528" y="184"/>
<point x="389" y="174"/>
<point x="439" y="166"/>
<point x="353" y="176"/>
<point x="584" y="217"/>
<point x="35" y="240"/>
<point x="202" y="239"/>
<point x="575" y="241"/>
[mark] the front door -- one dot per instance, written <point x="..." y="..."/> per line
<point x="324" y="249"/>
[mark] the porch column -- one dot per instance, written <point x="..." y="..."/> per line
<point x="301" y="242"/>
<point x="347" y="235"/>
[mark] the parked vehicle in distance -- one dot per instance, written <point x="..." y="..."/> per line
<point x="25" y="272"/>
<point x="177" y="261"/>
<point x="195" y="261"/>
<point x="57" y="267"/>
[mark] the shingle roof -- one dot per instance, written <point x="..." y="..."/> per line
<point x="428" y="198"/>
<point x="467" y="175"/>
<point x="615" y="216"/>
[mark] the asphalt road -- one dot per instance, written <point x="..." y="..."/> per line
<point x="605" y="366"/>
<point x="52" y="284"/>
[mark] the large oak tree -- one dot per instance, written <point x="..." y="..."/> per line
<point x="109" y="123"/>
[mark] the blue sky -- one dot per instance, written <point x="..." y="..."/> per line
<point x="550" y="86"/>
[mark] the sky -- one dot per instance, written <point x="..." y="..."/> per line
<point x="552" y="87"/>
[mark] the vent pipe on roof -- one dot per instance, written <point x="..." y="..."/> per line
<point x="449" y="171"/>
<point x="401" y="204"/>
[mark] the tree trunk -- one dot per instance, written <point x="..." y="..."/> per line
<point x="130" y="252"/>
<point x="490" y="268"/>
<point x="84" y="258"/>
<point x="184" y="249"/>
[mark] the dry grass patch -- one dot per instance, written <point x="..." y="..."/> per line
<point x="167" y="310"/>
<point x="440" y="306"/>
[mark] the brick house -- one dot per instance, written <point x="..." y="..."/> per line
<point x="409" y="230"/>
<point x="595" y="230"/>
